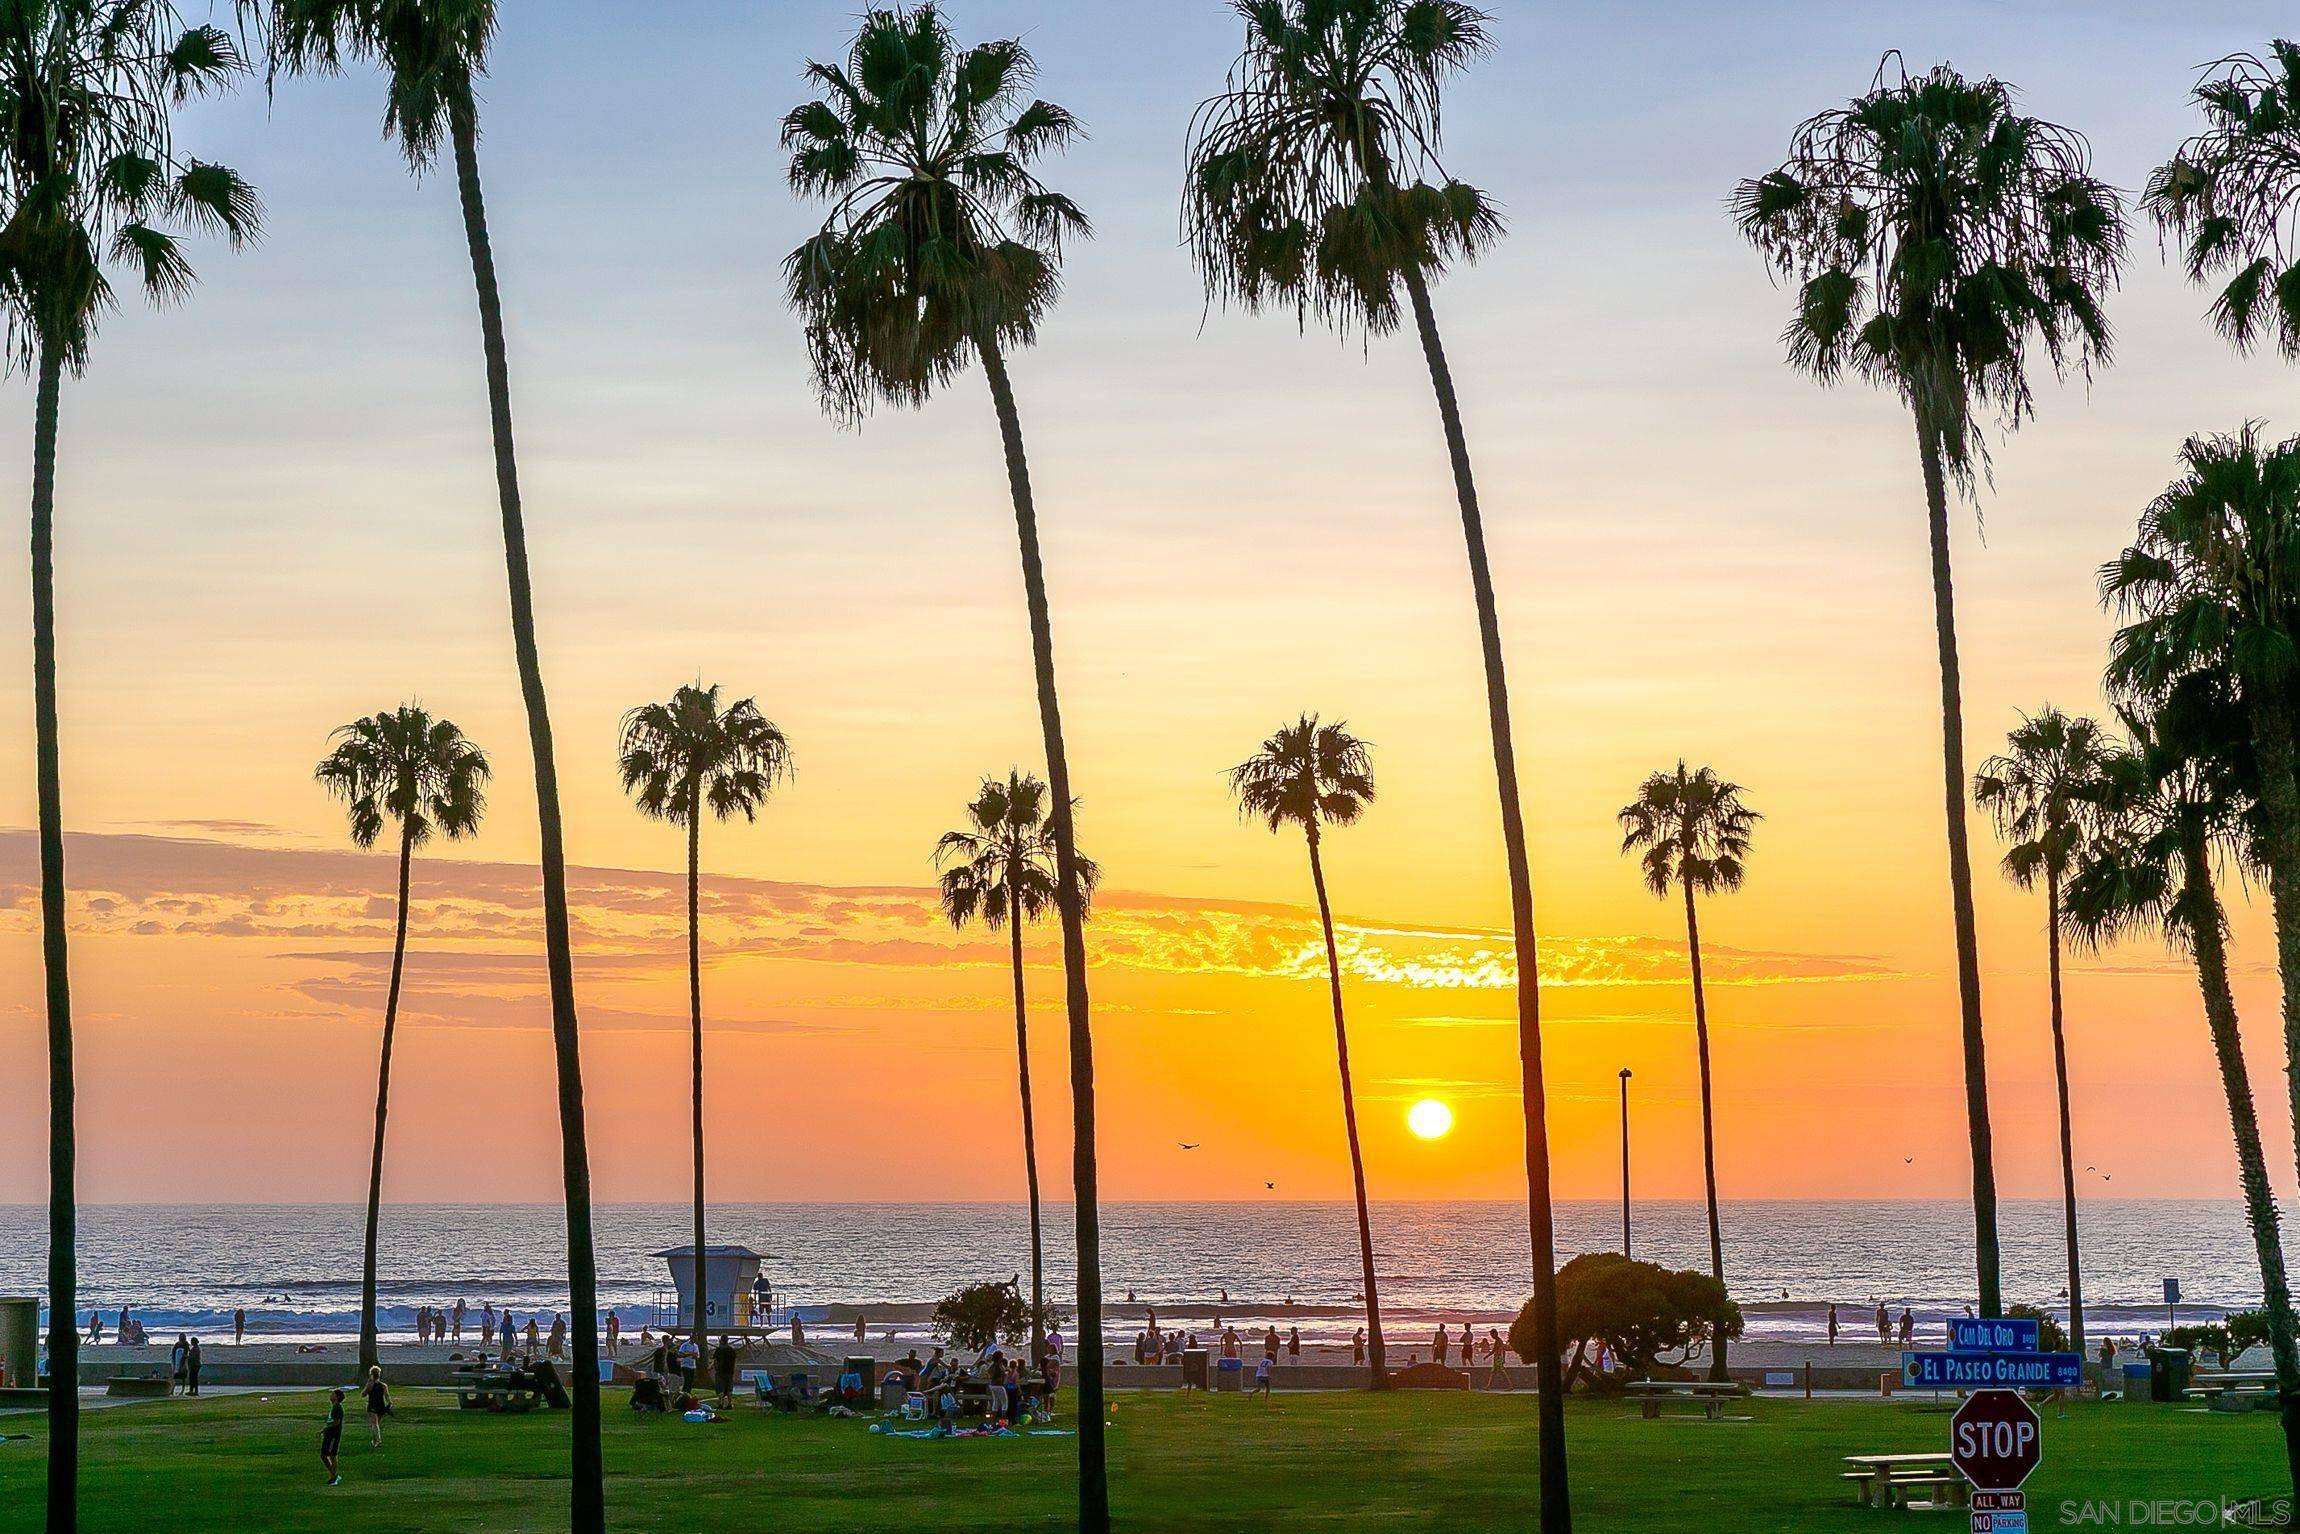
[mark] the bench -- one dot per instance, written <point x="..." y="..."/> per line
<point x="140" y="1386"/>
<point x="1712" y="1394"/>
<point x="494" y="1392"/>
<point x="1892" y="1480"/>
<point x="2233" y="1390"/>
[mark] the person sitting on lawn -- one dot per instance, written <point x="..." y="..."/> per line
<point x="647" y="1395"/>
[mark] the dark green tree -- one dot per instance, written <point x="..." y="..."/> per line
<point x="1310" y="776"/>
<point x="943" y="246"/>
<point x="1693" y="831"/>
<point x="1940" y="239"/>
<point x="406" y="768"/>
<point x="680" y="760"/>
<point x="1314" y="185"/>
<point x="432" y="54"/>
<point x="92" y="186"/>
<point x="2040" y="794"/>
<point x="1000" y="867"/>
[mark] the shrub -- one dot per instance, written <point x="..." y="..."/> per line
<point x="1639" y="1310"/>
<point x="983" y="1313"/>
<point x="2050" y="1336"/>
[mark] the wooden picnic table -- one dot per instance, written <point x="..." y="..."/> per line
<point x="1712" y="1394"/>
<point x="1886" y="1480"/>
<point x="494" y="1390"/>
<point x="2233" y="1390"/>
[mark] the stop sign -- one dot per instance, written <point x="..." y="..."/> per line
<point x="1995" y="1440"/>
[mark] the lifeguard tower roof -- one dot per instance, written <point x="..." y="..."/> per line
<point x="713" y="1250"/>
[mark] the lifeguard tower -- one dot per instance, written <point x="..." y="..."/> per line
<point x="728" y="1274"/>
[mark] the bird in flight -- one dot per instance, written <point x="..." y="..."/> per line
<point x="1188" y="1144"/>
<point x="1270" y="1185"/>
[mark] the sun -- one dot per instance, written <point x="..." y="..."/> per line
<point x="1430" y="1119"/>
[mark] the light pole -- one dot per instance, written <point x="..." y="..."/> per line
<point x="1625" y="1161"/>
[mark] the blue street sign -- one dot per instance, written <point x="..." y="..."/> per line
<point x="2172" y="1291"/>
<point x="1982" y="1371"/>
<point x="1994" y="1335"/>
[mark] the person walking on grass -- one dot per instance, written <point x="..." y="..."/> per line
<point x="377" y="1397"/>
<point x="331" y="1437"/>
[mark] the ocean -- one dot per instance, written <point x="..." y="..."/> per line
<point x="295" y="1268"/>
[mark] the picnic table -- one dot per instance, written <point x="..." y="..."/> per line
<point x="1712" y="1394"/>
<point x="494" y="1390"/>
<point x="1889" y="1480"/>
<point x="2233" y="1390"/>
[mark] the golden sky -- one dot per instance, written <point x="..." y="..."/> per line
<point x="276" y="514"/>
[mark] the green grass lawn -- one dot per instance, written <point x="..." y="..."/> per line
<point x="1337" y="1461"/>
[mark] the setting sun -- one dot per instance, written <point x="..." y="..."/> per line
<point x="1429" y="1119"/>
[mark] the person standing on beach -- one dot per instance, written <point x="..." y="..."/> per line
<point x="1270" y="1344"/>
<point x="192" y="1368"/>
<point x="1884" y="1324"/>
<point x="239" y="1327"/>
<point x="1908" y="1326"/>
<point x="95" y="1326"/>
<point x="861" y="1326"/>
<point x="798" y="1331"/>
<point x="455" y="1322"/>
<point x="1229" y="1342"/>
<point x="532" y="1334"/>
<point x="1438" y="1348"/>
<point x="331" y="1437"/>
<point x="1500" y="1378"/>
<point x="1832" y="1323"/>
<point x="1358" y="1347"/>
<point x="1293" y="1344"/>
<point x="176" y="1357"/>
<point x="614" y="1331"/>
<point x="558" y="1334"/>
<point x="378" y="1400"/>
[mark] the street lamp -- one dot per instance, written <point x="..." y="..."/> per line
<point x="1625" y="1161"/>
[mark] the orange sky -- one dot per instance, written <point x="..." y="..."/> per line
<point x="276" y="513"/>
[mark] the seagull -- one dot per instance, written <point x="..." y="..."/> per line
<point x="1189" y="1145"/>
<point x="1271" y="1186"/>
<point x="1908" y="1161"/>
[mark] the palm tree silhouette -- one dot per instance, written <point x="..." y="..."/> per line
<point x="1001" y="868"/>
<point x="420" y="772"/>
<point x="679" y="759"/>
<point x="431" y="53"/>
<point x="2213" y="584"/>
<point x="1314" y="185"/>
<point x="2173" y="810"/>
<point x="2041" y="794"/>
<point x="2228" y="196"/>
<point x="1938" y="235"/>
<point x="1314" y="775"/>
<point x="942" y="243"/>
<point x="90" y="181"/>
<point x="1694" y="831"/>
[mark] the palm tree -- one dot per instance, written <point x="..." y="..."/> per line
<point x="432" y="52"/>
<point x="90" y="182"/>
<point x="681" y="758"/>
<point x="2230" y="195"/>
<point x="421" y="772"/>
<point x="1314" y="775"/>
<point x="2039" y="794"/>
<point x="1938" y="235"/>
<point x="1001" y="868"/>
<point x="1694" y="830"/>
<point x="1314" y="185"/>
<point x="2171" y="814"/>
<point x="943" y="244"/>
<point x="2213" y="584"/>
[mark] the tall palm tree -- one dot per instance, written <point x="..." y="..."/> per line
<point x="91" y="183"/>
<point x="432" y="53"/>
<point x="1312" y="775"/>
<point x="420" y="772"/>
<point x="2040" y="794"/>
<point x="942" y="244"/>
<point x="681" y="758"/>
<point x="2172" y="813"/>
<point x="1694" y="832"/>
<point x="2212" y="584"/>
<point x="1000" y="867"/>
<point x="1939" y="237"/>
<point x="1314" y="185"/>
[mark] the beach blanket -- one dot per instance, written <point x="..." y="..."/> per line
<point x="936" y="1432"/>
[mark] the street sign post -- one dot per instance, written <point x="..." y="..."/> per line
<point x="1996" y="1442"/>
<point x="2000" y="1512"/>
<point x="1985" y="1371"/>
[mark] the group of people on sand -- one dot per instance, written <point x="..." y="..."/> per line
<point x="1905" y="1331"/>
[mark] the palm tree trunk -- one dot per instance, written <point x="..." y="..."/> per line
<point x="63" y="1144"/>
<point x="1556" y="1505"/>
<point x="1708" y="1121"/>
<point x="587" y="1471"/>
<point x="1093" y="1469"/>
<point x="1374" y="1354"/>
<point x="2270" y="715"/>
<point x="2203" y="920"/>
<point x="2067" y="1137"/>
<point x="695" y="1020"/>
<point x="368" y="1354"/>
<point x="1029" y="1136"/>
<point x="1961" y="880"/>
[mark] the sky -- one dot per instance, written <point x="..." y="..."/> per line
<point x="276" y="514"/>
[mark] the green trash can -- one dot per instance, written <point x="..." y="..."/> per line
<point x="2168" y="1374"/>
<point x="2136" y="1383"/>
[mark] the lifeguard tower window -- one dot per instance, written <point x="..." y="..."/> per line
<point x="728" y="1275"/>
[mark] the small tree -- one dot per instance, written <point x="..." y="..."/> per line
<point x="991" y="1311"/>
<point x="1639" y="1310"/>
<point x="2051" y="1337"/>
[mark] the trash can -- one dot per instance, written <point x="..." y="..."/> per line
<point x="2136" y="1382"/>
<point x="2168" y="1374"/>
<point x="1229" y="1374"/>
<point x="1194" y="1368"/>
<point x="865" y="1371"/>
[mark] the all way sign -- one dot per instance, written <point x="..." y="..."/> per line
<point x="1985" y="1371"/>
